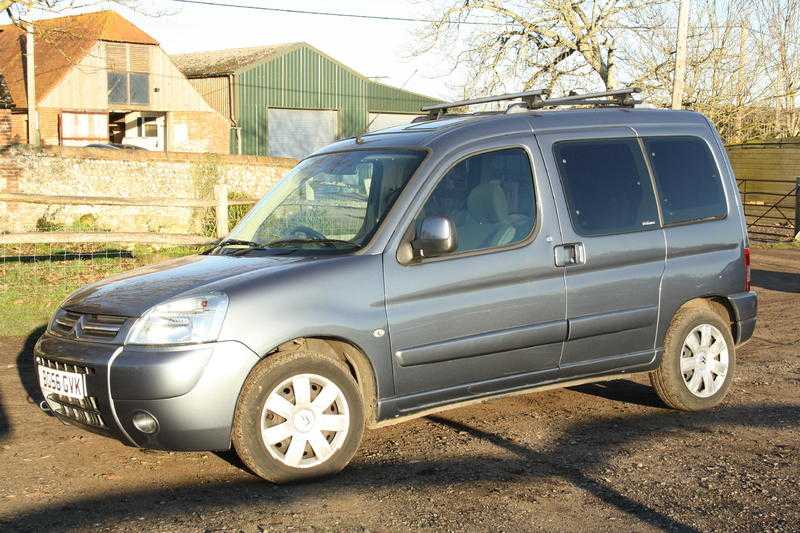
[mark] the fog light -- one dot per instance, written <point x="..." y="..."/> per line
<point x="145" y="422"/>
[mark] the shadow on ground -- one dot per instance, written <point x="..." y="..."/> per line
<point x="776" y="281"/>
<point x="622" y="390"/>
<point x="5" y="424"/>
<point x="580" y="466"/>
<point x="26" y="368"/>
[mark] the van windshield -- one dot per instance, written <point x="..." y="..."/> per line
<point x="331" y="201"/>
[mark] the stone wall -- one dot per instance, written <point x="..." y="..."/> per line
<point x="5" y="127"/>
<point x="94" y="172"/>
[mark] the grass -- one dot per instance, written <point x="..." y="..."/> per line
<point x="32" y="284"/>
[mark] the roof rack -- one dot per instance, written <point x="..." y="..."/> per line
<point x="527" y="97"/>
<point x="538" y="99"/>
<point x="619" y="97"/>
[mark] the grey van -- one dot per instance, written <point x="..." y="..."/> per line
<point x="403" y="272"/>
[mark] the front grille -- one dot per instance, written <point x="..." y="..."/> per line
<point x="86" y="411"/>
<point x="87" y="326"/>
<point x="66" y="367"/>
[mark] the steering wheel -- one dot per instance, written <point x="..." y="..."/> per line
<point x="309" y="233"/>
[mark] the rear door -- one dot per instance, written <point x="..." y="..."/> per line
<point x="490" y="315"/>
<point x="614" y="251"/>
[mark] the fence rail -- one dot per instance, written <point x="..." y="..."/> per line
<point x="220" y="203"/>
<point x="772" y="211"/>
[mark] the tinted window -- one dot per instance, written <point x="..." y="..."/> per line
<point x="687" y="178"/>
<point x="488" y="197"/>
<point x="607" y="187"/>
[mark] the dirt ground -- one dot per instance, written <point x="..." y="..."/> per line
<point x="594" y="458"/>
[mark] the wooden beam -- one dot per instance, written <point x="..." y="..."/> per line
<point x="57" y="237"/>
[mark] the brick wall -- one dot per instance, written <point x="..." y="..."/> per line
<point x="205" y="132"/>
<point x="94" y="172"/>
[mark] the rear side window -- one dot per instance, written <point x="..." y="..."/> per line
<point x="607" y="186"/>
<point x="687" y="177"/>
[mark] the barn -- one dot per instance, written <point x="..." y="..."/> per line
<point x="290" y="99"/>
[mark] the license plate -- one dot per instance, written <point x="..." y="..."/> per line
<point x="68" y="384"/>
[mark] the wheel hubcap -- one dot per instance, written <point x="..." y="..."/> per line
<point x="304" y="420"/>
<point x="704" y="360"/>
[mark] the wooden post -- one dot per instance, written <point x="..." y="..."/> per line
<point x="30" y="87"/>
<point x="797" y="209"/>
<point x="221" y="193"/>
<point x="680" y="55"/>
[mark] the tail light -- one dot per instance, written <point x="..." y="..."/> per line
<point x="747" y="269"/>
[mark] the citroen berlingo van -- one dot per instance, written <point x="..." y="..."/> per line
<point x="458" y="258"/>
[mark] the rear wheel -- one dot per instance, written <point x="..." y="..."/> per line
<point x="699" y="360"/>
<point x="300" y="415"/>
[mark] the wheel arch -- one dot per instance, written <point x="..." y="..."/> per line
<point x="348" y="353"/>
<point x="717" y="303"/>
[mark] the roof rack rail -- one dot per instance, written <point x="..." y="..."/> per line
<point x="619" y="97"/>
<point x="538" y="99"/>
<point x="527" y="97"/>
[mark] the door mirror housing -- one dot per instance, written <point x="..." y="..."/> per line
<point x="436" y="236"/>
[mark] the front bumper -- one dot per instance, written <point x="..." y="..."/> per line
<point x="190" y="390"/>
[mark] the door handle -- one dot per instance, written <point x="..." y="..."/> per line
<point x="569" y="254"/>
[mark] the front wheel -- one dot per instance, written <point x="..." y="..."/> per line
<point x="300" y="415"/>
<point x="699" y="360"/>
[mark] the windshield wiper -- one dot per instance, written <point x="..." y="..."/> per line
<point x="239" y="242"/>
<point x="330" y="243"/>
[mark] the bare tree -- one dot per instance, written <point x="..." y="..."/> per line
<point x="534" y="43"/>
<point x="779" y="41"/>
<point x="725" y="69"/>
<point x="17" y="10"/>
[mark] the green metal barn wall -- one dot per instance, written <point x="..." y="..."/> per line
<point x="305" y="79"/>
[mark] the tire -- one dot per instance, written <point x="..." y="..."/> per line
<point x="325" y="428"/>
<point x="689" y="389"/>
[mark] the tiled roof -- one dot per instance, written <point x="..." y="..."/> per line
<point x="221" y="62"/>
<point x="60" y="43"/>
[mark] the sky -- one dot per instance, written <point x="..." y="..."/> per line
<point x="372" y="47"/>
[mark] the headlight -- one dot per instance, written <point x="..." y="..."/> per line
<point x="185" y="320"/>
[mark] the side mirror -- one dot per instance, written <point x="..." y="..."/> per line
<point x="436" y="236"/>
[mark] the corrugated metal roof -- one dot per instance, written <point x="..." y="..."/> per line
<point x="61" y="43"/>
<point x="222" y="62"/>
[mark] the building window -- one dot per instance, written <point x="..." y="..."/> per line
<point x="148" y="127"/>
<point x="140" y="88"/>
<point x="128" y="73"/>
<point x="117" y="88"/>
<point x="607" y="186"/>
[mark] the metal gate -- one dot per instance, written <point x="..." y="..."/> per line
<point x="772" y="208"/>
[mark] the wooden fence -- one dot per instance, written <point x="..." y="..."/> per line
<point x="220" y="203"/>
<point x="772" y="214"/>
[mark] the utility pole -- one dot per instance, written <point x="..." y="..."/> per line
<point x="680" y="55"/>
<point x="740" y="79"/>
<point x="30" y="86"/>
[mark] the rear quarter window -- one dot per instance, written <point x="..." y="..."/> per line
<point x="688" y="179"/>
<point x="606" y="185"/>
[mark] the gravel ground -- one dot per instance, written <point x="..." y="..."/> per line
<point x="595" y="457"/>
